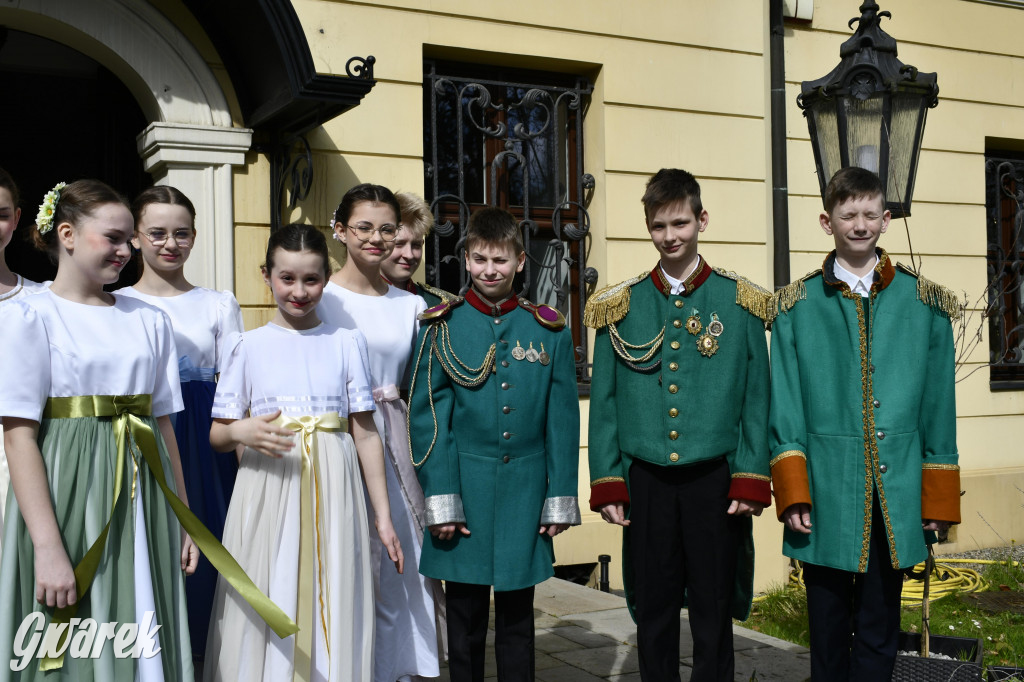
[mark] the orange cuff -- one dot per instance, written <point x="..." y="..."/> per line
<point x="789" y="479"/>
<point x="940" y="493"/>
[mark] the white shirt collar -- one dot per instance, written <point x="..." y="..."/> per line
<point x="675" y="286"/>
<point x="858" y="285"/>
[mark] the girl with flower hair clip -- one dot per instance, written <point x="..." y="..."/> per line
<point x="12" y="287"/>
<point x="202" y="320"/>
<point x="88" y="380"/>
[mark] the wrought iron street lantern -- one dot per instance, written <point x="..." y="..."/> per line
<point x="870" y="111"/>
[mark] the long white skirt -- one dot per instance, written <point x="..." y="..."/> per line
<point x="262" y="532"/>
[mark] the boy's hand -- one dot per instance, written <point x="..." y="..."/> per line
<point x="745" y="508"/>
<point x="446" y="531"/>
<point x="615" y="512"/>
<point x="554" y="529"/>
<point x="797" y="517"/>
<point x="937" y="526"/>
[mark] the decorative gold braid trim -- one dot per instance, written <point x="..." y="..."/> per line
<point x="865" y="387"/>
<point x="785" y="455"/>
<point x="412" y="387"/>
<point x="607" y="479"/>
<point x="941" y="467"/>
<point x="786" y="297"/>
<point x="939" y="298"/>
<point x="440" y="293"/>
<point x="754" y="299"/>
<point x="756" y="477"/>
<point x="610" y="304"/>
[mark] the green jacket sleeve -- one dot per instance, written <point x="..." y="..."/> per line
<point x="562" y="436"/>
<point x="940" y="475"/>
<point x="607" y="469"/>
<point x="787" y="429"/>
<point x="749" y="464"/>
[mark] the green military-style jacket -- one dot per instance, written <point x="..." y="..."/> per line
<point x="681" y="379"/>
<point x="863" y="402"/>
<point x="494" y="434"/>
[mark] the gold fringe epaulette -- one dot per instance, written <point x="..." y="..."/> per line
<point x="935" y="295"/>
<point x="754" y="299"/>
<point x="609" y="305"/>
<point x="445" y="296"/>
<point x="786" y="297"/>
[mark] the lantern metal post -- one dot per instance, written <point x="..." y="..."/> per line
<point x="870" y="111"/>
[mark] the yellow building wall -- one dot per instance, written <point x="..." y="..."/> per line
<point x="685" y="84"/>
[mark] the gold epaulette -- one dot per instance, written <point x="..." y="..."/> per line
<point x="544" y="314"/>
<point x="754" y="299"/>
<point x="934" y="294"/>
<point x="786" y="297"/>
<point x="440" y="310"/>
<point x="609" y="305"/>
<point x="445" y="296"/>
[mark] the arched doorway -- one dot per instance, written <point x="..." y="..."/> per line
<point x="64" y="117"/>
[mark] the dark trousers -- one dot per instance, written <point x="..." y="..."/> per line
<point x="855" y="617"/>
<point x="681" y="538"/>
<point x="468" y="610"/>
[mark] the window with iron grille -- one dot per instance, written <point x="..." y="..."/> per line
<point x="512" y="138"/>
<point x="1004" y="204"/>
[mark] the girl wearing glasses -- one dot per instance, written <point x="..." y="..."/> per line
<point x="202" y="319"/>
<point x="357" y="297"/>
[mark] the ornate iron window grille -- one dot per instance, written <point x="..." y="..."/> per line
<point x="516" y="144"/>
<point x="1004" y="203"/>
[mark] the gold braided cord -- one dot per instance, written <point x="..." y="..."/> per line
<point x="755" y="477"/>
<point x="412" y="387"/>
<point x="786" y="455"/>
<point x="609" y="305"/>
<point x="941" y="467"/>
<point x="607" y="479"/>
<point x="443" y="351"/>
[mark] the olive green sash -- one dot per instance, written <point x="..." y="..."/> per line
<point x="310" y="533"/>
<point x="129" y="429"/>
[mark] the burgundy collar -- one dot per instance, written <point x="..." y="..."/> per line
<point x="698" y="277"/>
<point x="409" y="285"/>
<point x="884" y="272"/>
<point x="505" y="306"/>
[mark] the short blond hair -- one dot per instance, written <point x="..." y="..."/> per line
<point x="416" y="216"/>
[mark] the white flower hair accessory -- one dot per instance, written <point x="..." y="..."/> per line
<point x="44" y="219"/>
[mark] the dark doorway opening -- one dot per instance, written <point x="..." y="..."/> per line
<point x="64" y="117"/>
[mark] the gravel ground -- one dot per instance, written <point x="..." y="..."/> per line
<point x="1014" y="552"/>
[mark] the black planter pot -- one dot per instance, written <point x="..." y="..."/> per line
<point x="999" y="673"/>
<point x="966" y="667"/>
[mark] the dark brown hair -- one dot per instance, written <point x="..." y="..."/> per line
<point x="670" y="185"/>
<point x="76" y="201"/>
<point x="297" y="237"/>
<point x="496" y="226"/>
<point x="375" y="194"/>
<point x="161" y="194"/>
<point x="852" y="183"/>
<point x="7" y="182"/>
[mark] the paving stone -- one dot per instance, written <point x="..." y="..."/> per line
<point x="614" y="623"/>
<point x="549" y="641"/>
<point x="567" y="673"/>
<point x="769" y="664"/>
<point x="586" y="637"/>
<point x="560" y="598"/>
<point x="603" y="661"/>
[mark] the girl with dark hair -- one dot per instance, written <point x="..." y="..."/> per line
<point x="202" y="320"/>
<point x="409" y="606"/>
<point x="12" y="287"/>
<point x="87" y="383"/>
<point x="297" y="520"/>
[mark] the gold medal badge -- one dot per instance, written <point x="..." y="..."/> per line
<point x="693" y="323"/>
<point x="707" y="345"/>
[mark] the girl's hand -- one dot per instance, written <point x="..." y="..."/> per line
<point x="55" y="577"/>
<point x="259" y="434"/>
<point x="389" y="539"/>
<point x="189" y="554"/>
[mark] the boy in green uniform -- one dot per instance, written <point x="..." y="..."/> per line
<point x="862" y="431"/>
<point x="413" y="227"/>
<point x="494" y="435"/>
<point x="678" y="435"/>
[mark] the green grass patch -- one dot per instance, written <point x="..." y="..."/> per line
<point x="781" y="612"/>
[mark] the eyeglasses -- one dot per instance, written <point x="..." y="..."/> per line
<point x="364" y="233"/>
<point x="182" y="237"/>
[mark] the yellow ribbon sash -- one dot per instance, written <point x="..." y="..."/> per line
<point x="310" y="534"/>
<point x="129" y="431"/>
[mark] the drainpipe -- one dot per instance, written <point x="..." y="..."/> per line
<point x="780" y="189"/>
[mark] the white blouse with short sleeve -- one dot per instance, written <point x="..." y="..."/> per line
<point x="52" y="347"/>
<point x="300" y="372"/>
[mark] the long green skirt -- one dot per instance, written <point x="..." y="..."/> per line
<point x="80" y="457"/>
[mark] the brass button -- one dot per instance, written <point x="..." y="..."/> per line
<point x="876" y="403"/>
<point x="677" y="323"/>
<point x="504" y="385"/>
<point x="506" y="409"/>
<point x="675" y="345"/>
<point x="504" y="363"/>
<point x="673" y="366"/>
<point x="505" y="459"/>
<point x="673" y="412"/>
<point x="674" y="457"/>
<point x="497" y="320"/>
<point x="679" y="304"/>
<point x="506" y="435"/>
<point x="880" y="435"/>
<point x="883" y="468"/>
<point x="673" y="434"/>
<point x="672" y="388"/>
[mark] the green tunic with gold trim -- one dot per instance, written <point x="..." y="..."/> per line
<point x="494" y="434"/>
<point x="681" y="379"/>
<point x="863" y="402"/>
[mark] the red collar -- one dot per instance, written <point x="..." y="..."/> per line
<point x="475" y="300"/>
<point x="884" y="272"/>
<point x="698" y="277"/>
<point x="409" y="285"/>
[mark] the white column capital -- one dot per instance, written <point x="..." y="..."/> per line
<point x="173" y="144"/>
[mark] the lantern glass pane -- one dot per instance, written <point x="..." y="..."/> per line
<point x="825" y="121"/>
<point x="864" y="131"/>
<point x="907" y="115"/>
